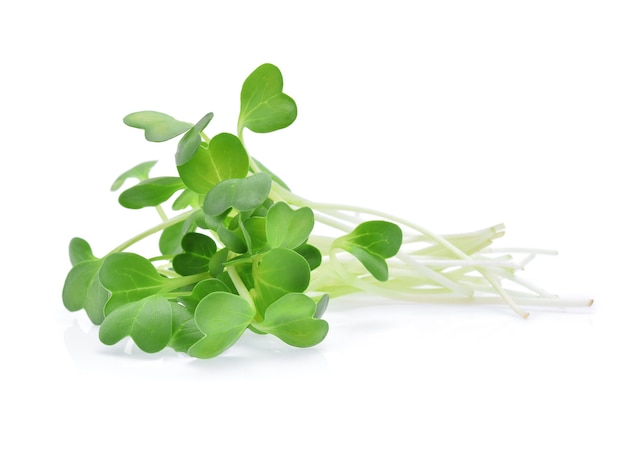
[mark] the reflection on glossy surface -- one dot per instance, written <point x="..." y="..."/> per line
<point x="261" y="356"/>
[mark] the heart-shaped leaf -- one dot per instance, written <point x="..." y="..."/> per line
<point x="199" y="249"/>
<point x="82" y="290"/>
<point x="264" y="106"/>
<point x="371" y="243"/>
<point x="278" y="272"/>
<point x="222" y="317"/>
<point x="224" y="157"/>
<point x="148" y="322"/>
<point x="151" y="192"/>
<point x="287" y="228"/>
<point x="158" y="127"/>
<point x="242" y="194"/>
<point x="130" y="277"/>
<point x="292" y="318"/>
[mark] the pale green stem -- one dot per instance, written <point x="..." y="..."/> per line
<point x="161" y="212"/>
<point x="164" y="225"/>
<point x="239" y="285"/>
<point x="328" y="208"/>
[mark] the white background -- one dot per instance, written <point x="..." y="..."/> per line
<point x="454" y="114"/>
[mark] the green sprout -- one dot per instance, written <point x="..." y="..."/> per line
<point x="241" y="251"/>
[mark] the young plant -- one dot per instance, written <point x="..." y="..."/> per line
<point x="242" y="252"/>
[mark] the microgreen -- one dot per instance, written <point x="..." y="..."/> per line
<point x="244" y="253"/>
<point x="223" y="318"/>
<point x="222" y="159"/>
<point x="147" y="321"/>
<point x="158" y="127"/>
<point x="264" y="106"/>
<point x="243" y="194"/>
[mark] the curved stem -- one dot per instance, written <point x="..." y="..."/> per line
<point x="164" y="225"/>
<point x="239" y="285"/>
<point x="338" y="208"/>
<point x="161" y="212"/>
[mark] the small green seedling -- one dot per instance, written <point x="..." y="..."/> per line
<point x="242" y="252"/>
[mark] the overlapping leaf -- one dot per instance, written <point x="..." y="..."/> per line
<point x="147" y="321"/>
<point x="223" y="158"/>
<point x="222" y="317"/>
<point x="130" y="277"/>
<point x="198" y="250"/>
<point x="292" y="318"/>
<point x="286" y="228"/>
<point x="277" y="273"/>
<point x="240" y="193"/>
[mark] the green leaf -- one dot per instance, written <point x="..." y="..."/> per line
<point x="185" y="332"/>
<point x="189" y="143"/>
<point x="223" y="158"/>
<point x="148" y="322"/>
<point x="130" y="277"/>
<point x="187" y="198"/>
<point x="322" y="304"/>
<point x="292" y="319"/>
<point x="278" y="272"/>
<point x="287" y="228"/>
<point x="242" y="194"/>
<point x="82" y="290"/>
<point x="151" y="192"/>
<point x="201" y="290"/>
<point x="158" y="127"/>
<point x="80" y="251"/>
<point x="222" y="317"/>
<point x="139" y="172"/>
<point x="371" y="243"/>
<point x="171" y="237"/>
<point x="232" y="239"/>
<point x="216" y="265"/>
<point x="264" y="106"/>
<point x="311" y="254"/>
<point x="255" y="231"/>
<point x="199" y="249"/>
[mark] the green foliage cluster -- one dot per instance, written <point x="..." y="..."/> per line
<point x="242" y="253"/>
<point x="237" y="258"/>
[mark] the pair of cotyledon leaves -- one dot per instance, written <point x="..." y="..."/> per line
<point x="264" y="108"/>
